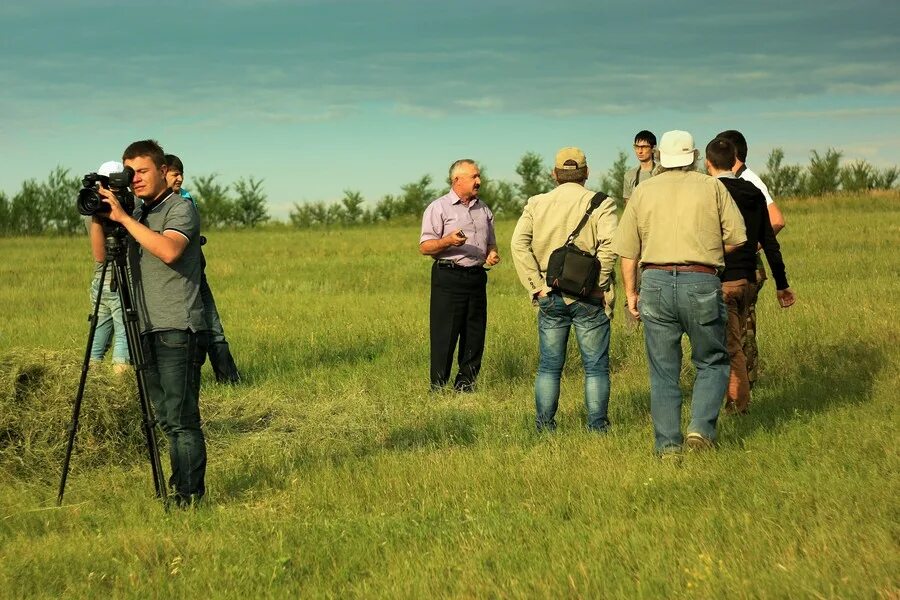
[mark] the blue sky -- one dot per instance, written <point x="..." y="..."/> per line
<point x="316" y="97"/>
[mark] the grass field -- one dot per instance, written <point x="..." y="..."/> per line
<point x="334" y="473"/>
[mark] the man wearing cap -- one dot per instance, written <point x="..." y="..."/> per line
<point x="546" y="223"/>
<point x="776" y="218"/>
<point x="677" y="227"/>
<point x="458" y="233"/>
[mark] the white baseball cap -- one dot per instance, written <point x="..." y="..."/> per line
<point x="110" y="166"/>
<point x="676" y="149"/>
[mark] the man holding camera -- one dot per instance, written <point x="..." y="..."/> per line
<point x="546" y="223"/>
<point x="165" y="261"/>
<point x="458" y="232"/>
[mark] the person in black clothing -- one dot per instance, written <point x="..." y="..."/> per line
<point x="740" y="266"/>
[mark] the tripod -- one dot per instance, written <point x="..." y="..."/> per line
<point x="116" y="254"/>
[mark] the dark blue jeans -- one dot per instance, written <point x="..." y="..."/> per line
<point x="673" y="304"/>
<point x="555" y="320"/>
<point x="174" y="358"/>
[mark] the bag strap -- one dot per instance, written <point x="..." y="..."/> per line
<point x="596" y="201"/>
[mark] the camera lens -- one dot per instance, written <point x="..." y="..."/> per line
<point x="90" y="203"/>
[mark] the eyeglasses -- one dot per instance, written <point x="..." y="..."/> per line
<point x="642" y="147"/>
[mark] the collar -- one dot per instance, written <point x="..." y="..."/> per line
<point x="455" y="199"/>
<point x="726" y="175"/>
<point x="148" y="206"/>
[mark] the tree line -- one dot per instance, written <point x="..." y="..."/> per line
<point x="48" y="207"/>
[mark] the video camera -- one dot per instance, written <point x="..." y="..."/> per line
<point x="90" y="203"/>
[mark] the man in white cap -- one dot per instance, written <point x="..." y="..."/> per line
<point x="546" y="223"/>
<point x="677" y="227"/>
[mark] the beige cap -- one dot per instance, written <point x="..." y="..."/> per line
<point x="676" y="149"/>
<point x="570" y="153"/>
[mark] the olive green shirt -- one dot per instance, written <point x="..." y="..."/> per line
<point x="680" y="217"/>
<point x="545" y="224"/>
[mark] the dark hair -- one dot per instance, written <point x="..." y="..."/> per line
<point x="645" y="136"/>
<point x="571" y="175"/>
<point x="740" y="142"/>
<point x="173" y="162"/>
<point x="721" y="153"/>
<point x="149" y="148"/>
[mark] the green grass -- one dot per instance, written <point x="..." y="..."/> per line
<point x="334" y="473"/>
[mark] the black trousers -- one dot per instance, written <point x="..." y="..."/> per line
<point x="458" y="311"/>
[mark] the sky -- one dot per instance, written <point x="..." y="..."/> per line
<point x="315" y="97"/>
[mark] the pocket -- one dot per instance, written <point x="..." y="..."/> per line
<point x="649" y="302"/>
<point x="174" y="338"/>
<point x="545" y="304"/>
<point x="706" y="306"/>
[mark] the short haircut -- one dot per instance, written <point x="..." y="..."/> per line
<point x="173" y="162"/>
<point x="149" y="148"/>
<point x="740" y="142"/>
<point x="645" y="136"/>
<point x="571" y="175"/>
<point x="457" y="164"/>
<point x="721" y="153"/>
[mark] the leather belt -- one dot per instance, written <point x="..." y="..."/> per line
<point x="443" y="263"/>
<point x="683" y="268"/>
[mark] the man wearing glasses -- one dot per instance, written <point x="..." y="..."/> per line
<point x="644" y="146"/>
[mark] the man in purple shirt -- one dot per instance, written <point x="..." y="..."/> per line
<point x="458" y="232"/>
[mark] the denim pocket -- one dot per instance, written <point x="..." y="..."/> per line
<point x="649" y="302"/>
<point x="545" y="303"/>
<point x="174" y="338"/>
<point x="706" y="306"/>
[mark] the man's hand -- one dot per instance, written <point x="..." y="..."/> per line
<point x="457" y="238"/>
<point x="633" y="304"/>
<point x="116" y="212"/>
<point x="786" y="297"/>
<point x="492" y="258"/>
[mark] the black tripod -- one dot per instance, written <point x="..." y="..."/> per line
<point x="116" y="254"/>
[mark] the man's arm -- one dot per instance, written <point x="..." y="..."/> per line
<point x="98" y="240"/>
<point x="629" y="279"/>
<point x="167" y="246"/>
<point x="607" y="222"/>
<point x="493" y="257"/>
<point x="526" y="263"/>
<point x="432" y="247"/>
<point x="775" y="217"/>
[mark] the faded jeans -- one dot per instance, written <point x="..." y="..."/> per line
<point x="673" y="304"/>
<point x="555" y="320"/>
<point x="110" y="325"/>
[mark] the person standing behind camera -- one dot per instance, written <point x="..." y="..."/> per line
<point x="546" y="223"/>
<point x="164" y="257"/>
<point x="110" y="328"/>
<point x="219" y="352"/>
<point x="458" y="232"/>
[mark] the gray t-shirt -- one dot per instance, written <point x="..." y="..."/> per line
<point x="632" y="178"/>
<point x="168" y="296"/>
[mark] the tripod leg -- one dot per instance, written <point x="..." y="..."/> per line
<point x="133" y="338"/>
<point x="76" y="408"/>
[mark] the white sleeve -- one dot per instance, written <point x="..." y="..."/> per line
<point x="753" y="178"/>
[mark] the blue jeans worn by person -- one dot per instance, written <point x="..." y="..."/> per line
<point x="555" y="320"/>
<point x="110" y="325"/>
<point x="174" y="358"/>
<point x="673" y="304"/>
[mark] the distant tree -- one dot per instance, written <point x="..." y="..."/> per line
<point x="535" y="178"/>
<point x="387" y="208"/>
<point x="824" y="172"/>
<point x="885" y="179"/>
<point x="4" y="214"/>
<point x="301" y="215"/>
<point x="613" y="181"/>
<point x="416" y="196"/>
<point x="502" y="198"/>
<point x="249" y="208"/>
<point x="352" y="207"/>
<point x="858" y="176"/>
<point x="216" y="207"/>
<point x="58" y="196"/>
<point x="26" y="211"/>
<point x="783" y="180"/>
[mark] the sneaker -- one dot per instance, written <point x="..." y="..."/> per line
<point x="696" y="442"/>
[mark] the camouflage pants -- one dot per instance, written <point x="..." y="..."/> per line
<point x="750" y="350"/>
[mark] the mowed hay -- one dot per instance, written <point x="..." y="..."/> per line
<point x="37" y="393"/>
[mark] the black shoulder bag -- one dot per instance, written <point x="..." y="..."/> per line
<point x="570" y="269"/>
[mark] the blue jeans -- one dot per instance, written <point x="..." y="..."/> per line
<point x="110" y="325"/>
<point x="673" y="304"/>
<point x="555" y="320"/>
<point x="174" y="358"/>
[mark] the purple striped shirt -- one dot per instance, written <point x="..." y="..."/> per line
<point x="447" y="214"/>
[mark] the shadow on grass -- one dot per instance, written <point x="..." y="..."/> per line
<point x="822" y="377"/>
<point x="450" y="428"/>
<point x="276" y="360"/>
